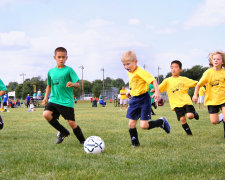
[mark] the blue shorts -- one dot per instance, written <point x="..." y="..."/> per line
<point x="139" y="107"/>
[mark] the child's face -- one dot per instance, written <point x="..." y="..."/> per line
<point x="130" y="66"/>
<point x="60" y="58"/>
<point x="175" y="70"/>
<point x="217" y="61"/>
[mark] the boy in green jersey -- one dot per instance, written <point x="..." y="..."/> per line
<point x="2" y="92"/>
<point x="60" y="82"/>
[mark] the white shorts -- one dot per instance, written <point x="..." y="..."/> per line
<point x="201" y="99"/>
<point x="123" y="101"/>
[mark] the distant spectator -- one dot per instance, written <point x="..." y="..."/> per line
<point x="28" y="100"/>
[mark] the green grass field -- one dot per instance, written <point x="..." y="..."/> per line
<point x="28" y="149"/>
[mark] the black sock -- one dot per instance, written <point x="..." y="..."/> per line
<point x="1" y="123"/>
<point x="78" y="133"/>
<point x="55" y="123"/>
<point x="156" y="123"/>
<point x="134" y="136"/>
<point x="187" y="129"/>
<point x="152" y="112"/>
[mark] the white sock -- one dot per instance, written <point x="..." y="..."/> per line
<point x="221" y="117"/>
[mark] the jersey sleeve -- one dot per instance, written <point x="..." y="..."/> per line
<point x="49" y="79"/>
<point x="2" y="86"/>
<point x="147" y="77"/>
<point x="163" y="86"/>
<point x="73" y="76"/>
<point x="203" y="79"/>
<point x="190" y="82"/>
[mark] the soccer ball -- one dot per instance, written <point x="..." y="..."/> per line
<point x="94" y="145"/>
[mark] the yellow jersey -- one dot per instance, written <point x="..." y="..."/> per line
<point x="123" y="92"/>
<point x="215" y="88"/>
<point x="139" y="81"/>
<point x="201" y="91"/>
<point x="177" y="90"/>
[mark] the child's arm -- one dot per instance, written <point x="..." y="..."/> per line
<point x="157" y="93"/>
<point x="195" y="96"/>
<point x="70" y="84"/>
<point x="45" y="100"/>
<point x="2" y="92"/>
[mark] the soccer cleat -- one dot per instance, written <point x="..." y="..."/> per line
<point x="196" y="116"/>
<point x="61" y="137"/>
<point x="135" y="145"/>
<point x="165" y="125"/>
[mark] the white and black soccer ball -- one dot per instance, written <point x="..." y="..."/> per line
<point x="94" y="145"/>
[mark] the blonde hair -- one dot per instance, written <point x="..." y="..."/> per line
<point x="129" y="56"/>
<point x="214" y="53"/>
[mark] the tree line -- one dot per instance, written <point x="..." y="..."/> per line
<point x="95" y="87"/>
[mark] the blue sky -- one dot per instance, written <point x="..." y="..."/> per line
<point x="97" y="32"/>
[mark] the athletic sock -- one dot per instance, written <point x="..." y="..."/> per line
<point x="134" y="136"/>
<point x="156" y="123"/>
<point x="78" y="133"/>
<point x="187" y="129"/>
<point x="55" y="123"/>
<point x="1" y="122"/>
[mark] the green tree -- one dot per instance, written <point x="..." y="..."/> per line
<point x="12" y="86"/>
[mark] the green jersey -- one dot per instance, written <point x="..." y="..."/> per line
<point x="57" y="79"/>
<point x="150" y="87"/>
<point x="2" y="86"/>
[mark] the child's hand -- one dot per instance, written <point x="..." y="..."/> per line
<point x="69" y="84"/>
<point x="195" y="98"/>
<point x="157" y="96"/>
<point x="128" y="94"/>
<point x="44" y="102"/>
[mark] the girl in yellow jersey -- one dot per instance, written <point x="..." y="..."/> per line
<point x="140" y="103"/>
<point x="201" y="97"/>
<point x="215" y="88"/>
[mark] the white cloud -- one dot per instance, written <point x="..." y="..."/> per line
<point x="14" y="39"/>
<point x="164" y="30"/>
<point x="210" y="13"/>
<point x="99" y="22"/>
<point x="134" y="21"/>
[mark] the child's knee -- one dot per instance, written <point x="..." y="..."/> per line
<point x="144" y="126"/>
<point x="190" y="115"/>
<point x="47" y="115"/>
<point x="132" y="124"/>
<point x="72" y="124"/>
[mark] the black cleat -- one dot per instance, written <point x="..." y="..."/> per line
<point x="61" y="137"/>
<point x="135" y="145"/>
<point x="196" y="116"/>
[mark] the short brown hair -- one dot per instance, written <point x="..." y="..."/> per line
<point x="177" y="62"/>
<point x="129" y="56"/>
<point x="60" y="49"/>
<point x="214" y="53"/>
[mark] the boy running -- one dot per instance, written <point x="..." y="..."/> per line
<point x="60" y="83"/>
<point x="2" y="91"/>
<point x="214" y="78"/>
<point x="140" y="103"/>
<point x="177" y="89"/>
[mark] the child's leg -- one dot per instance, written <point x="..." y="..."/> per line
<point x="77" y="131"/>
<point x="185" y="125"/>
<point x="161" y="122"/>
<point x="54" y="122"/>
<point x="191" y="112"/>
<point x="1" y="123"/>
<point x="133" y="133"/>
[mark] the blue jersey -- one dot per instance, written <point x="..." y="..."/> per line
<point x="5" y="98"/>
<point x="28" y="98"/>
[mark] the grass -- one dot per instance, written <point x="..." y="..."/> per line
<point x="28" y="149"/>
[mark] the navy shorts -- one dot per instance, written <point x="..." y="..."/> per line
<point x="66" y="112"/>
<point x="139" y="107"/>
<point x="215" y="109"/>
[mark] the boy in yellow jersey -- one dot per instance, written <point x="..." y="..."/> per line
<point x="177" y="89"/>
<point x="201" y="97"/>
<point x="215" y="87"/>
<point x="140" y="103"/>
<point x="123" y="98"/>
